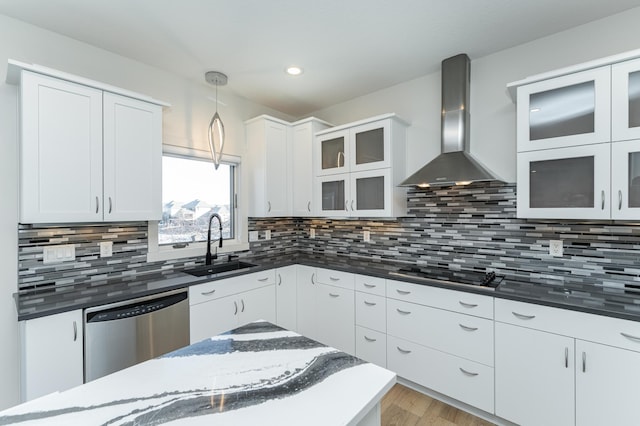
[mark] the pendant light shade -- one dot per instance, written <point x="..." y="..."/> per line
<point x="216" y="127"/>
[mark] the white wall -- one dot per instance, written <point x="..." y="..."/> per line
<point x="493" y="139"/>
<point x="184" y="123"/>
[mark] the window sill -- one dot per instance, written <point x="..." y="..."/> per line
<point x="170" y="253"/>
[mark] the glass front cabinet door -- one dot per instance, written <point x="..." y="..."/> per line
<point x="370" y="146"/>
<point x="370" y="193"/>
<point x="333" y="193"/>
<point x="625" y="100"/>
<point x="565" y="183"/>
<point x="332" y="153"/>
<point x="625" y="180"/>
<point x="565" y="111"/>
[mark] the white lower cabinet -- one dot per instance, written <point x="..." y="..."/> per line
<point x="458" y="378"/>
<point x="336" y="317"/>
<point x="555" y="366"/>
<point x="52" y="354"/>
<point x="307" y="322"/>
<point x="606" y="385"/>
<point x="534" y="376"/>
<point x="286" y="295"/>
<point x="371" y="346"/>
<point x="221" y="305"/>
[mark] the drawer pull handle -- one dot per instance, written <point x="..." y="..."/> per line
<point x="522" y="316"/>
<point x="110" y="205"/>
<point x="75" y="331"/>
<point x="207" y="293"/>
<point x="236" y="305"/>
<point x="631" y="337"/>
<point x="468" y="373"/>
<point x="97" y="204"/>
<point x="269" y="206"/>
<point x="369" y="339"/>
<point x="584" y="362"/>
<point x="334" y="295"/>
<point x="403" y="312"/>
<point x="467" y="328"/>
<point x="403" y="351"/>
<point x="334" y="279"/>
<point x="566" y="357"/>
<point x="279" y="279"/>
<point x="313" y="276"/>
<point x="602" y="197"/>
<point x="309" y="206"/>
<point x="619" y="200"/>
<point x="369" y="285"/>
<point x="403" y="292"/>
<point x="263" y="279"/>
<point x="468" y="305"/>
<point x="242" y="301"/>
<point x="370" y="303"/>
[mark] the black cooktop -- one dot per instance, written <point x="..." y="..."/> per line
<point x="487" y="280"/>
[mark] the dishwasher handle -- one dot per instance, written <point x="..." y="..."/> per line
<point x="133" y="308"/>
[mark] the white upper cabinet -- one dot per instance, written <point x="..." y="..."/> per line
<point x="358" y="168"/>
<point x="578" y="134"/>
<point x="302" y="134"/>
<point x="565" y="183"/>
<point x="565" y="111"/>
<point x="132" y="159"/>
<point x="60" y="151"/>
<point x="625" y="100"/>
<point x="87" y="155"/>
<point x="267" y="157"/>
<point x="331" y="153"/>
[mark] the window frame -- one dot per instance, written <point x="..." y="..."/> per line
<point x="157" y="252"/>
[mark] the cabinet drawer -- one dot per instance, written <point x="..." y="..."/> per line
<point x="458" y="301"/>
<point x="335" y="278"/>
<point x="372" y="285"/>
<point x="225" y="287"/>
<point x="595" y="328"/>
<point x="371" y="311"/>
<point x="461" y="335"/>
<point x="371" y="346"/>
<point x="464" y="380"/>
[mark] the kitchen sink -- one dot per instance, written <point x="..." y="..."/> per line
<point x="204" y="270"/>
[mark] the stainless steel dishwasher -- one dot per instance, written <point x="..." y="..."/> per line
<point x="122" y="334"/>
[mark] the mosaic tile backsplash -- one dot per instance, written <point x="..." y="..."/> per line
<point x="472" y="227"/>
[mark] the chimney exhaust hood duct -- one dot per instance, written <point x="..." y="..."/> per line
<point x="455" y="166"/>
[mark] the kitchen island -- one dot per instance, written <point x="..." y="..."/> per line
<point x="255" y="374"/>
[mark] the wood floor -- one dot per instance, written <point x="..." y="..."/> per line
<point x="405" y="407"/>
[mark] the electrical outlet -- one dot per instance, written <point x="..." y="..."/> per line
<point x="555" y="248"/>
<point x="366" y="236"/>
<point x="267" y="234"/>
<point x="254" y="236"/>
<point x="106" y="248"/>
<point x="312" y="232"/>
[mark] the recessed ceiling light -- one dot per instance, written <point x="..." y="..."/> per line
<point x="294" y="70"/>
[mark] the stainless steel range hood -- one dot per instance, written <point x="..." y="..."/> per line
<point x="455" y="166"/>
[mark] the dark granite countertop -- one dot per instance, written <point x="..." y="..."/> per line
<point x="613" y="302"/>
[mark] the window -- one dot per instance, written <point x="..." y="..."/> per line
<point x="192" y="190"/>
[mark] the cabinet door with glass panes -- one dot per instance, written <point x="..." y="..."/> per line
<point x="332" y="195"/>
<point x="369" y="145"/>
<point x="625" y="179"/>
<point x="625" y="100"/>
<point x="370" y="193"/>
<point x="332" y="153"/>
<point x="565" y="183"/>
<point x="565" y="111"/>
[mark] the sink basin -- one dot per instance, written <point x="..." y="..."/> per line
<point x="204" y="270"/>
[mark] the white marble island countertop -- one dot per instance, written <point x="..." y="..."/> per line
<point x="257" y="374"/>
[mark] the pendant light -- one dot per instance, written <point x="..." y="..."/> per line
<point x="216" y="128"/>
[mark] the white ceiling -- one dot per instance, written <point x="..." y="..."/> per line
<point x="347" y="47"/>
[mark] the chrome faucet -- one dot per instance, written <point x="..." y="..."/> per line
<point x="209" y="257"/>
